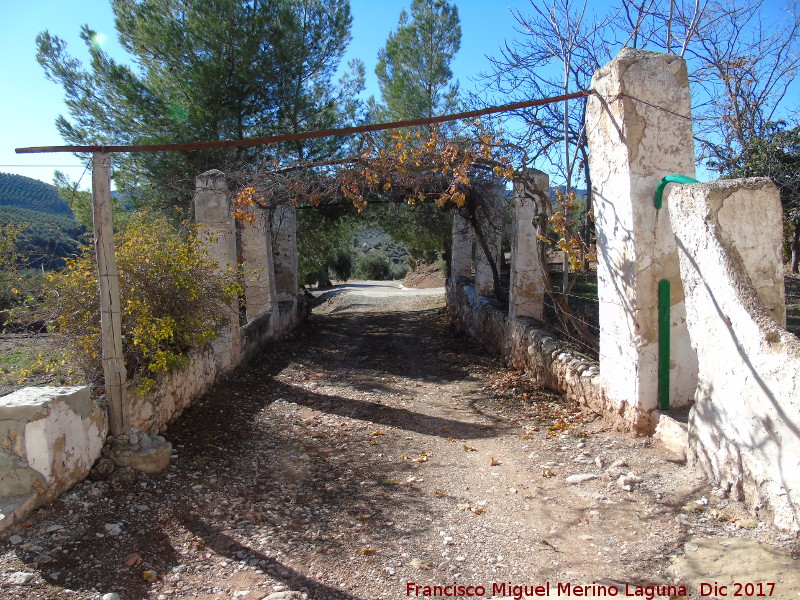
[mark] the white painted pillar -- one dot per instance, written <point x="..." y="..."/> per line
<point x="259" y="274"/>
<point x="284" y="236"/>
<point x="461" y="261"/>
<point x="490" y="216"/>
<point x="526" y="292"/>
<point x="639" y="130"/>
<point x="213" y="213"/>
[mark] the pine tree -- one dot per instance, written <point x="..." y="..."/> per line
<point x="414" y="67"/>
<point x="415" y="82"/>
<point x="205" y="70"/>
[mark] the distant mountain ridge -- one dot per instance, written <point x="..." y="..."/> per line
<point x="23" y="192"/>
<point x="51" y="232"/>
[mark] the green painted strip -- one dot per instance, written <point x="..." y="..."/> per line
<point x="657" y="200"/>
<point x="663" y="344"/>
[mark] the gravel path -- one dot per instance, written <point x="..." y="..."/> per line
<point x="372" y="450"/>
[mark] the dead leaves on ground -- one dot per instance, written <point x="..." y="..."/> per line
<point x="517" y="397"/>
<point x="466" y="506"/>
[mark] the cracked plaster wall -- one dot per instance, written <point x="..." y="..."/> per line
<point x="744" y="427"/>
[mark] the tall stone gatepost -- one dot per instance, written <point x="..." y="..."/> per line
<point x="526" y="292"/>
<point x="284" y="255"/>
<point x="213" y="213"/>
<point x="490" y="216"/>
<point x="259" y="275"/>
<point x="639" y="129"/>
<point x="461" y="261"/>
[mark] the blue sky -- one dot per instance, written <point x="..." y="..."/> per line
<point x="29" y="103"/>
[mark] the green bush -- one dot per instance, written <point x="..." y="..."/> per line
<point x="398" y="271"/>
<point x="341" y="264"/>
<point x="373" y="266"/>
<point x="172" y="299"/>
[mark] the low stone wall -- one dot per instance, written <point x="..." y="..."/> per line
<point x="744" y="428"/>
<point x="49" y="439"/>
<point x="153" y="411"/>
<point x="527" y="345"/>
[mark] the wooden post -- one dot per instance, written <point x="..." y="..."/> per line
<point x="110" y="313"/>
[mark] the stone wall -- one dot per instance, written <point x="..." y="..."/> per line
<point x="153" y="411"/>
<point x="49" y="439"/>
<point x="528" y="345"/>
<point x="744" y="427"/>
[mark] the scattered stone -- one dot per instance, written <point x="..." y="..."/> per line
<point x="581" y="478"/>
<point x="598" y="460"/>
<point x="102" y="468"/>
<point x="15" y="540"/>
<point x="150" y="459"/>
<point x="20" y="578"/>
<point x="54" y="528"/>
<point x="286" y="595"/>
<point x="125" y="475"/>
<point x="746" y="523"/>
<point x="416" y="563"/>
<point x="111" y="596"/>
<point x="619" y="463"/>
<point x="113" y="529"/>
<point x="629" y="481"/>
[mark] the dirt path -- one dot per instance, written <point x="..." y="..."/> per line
<point x="371" y="450"/>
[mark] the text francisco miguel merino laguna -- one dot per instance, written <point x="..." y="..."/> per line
<point x="543" y="590"/>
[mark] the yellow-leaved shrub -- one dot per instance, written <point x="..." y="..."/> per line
<point x="173" y="299"/>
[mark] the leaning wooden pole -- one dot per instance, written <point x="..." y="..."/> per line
<point x="110" y="314"/>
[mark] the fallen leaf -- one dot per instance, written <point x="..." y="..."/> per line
<point x="150" y="576"/>
<point x="379" y="432"/>
<point x="478" y="510"/>
<point x="439" y="494"/>
<point x="133" y="560"/>
<point x="548" y="472"/>
<point x="367" y="551"/>
<point x="422" y="459"/>
<point x="390" y="481"/>
<point x="364" y="517"/>
<point x="418" y="564"/>
<point x="405" y="457"/>
<point x="469" y="448"/>
<point x="494" y="462"/>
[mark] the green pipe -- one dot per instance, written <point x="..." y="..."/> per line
<point x="663" y="183"/>
<point x="663" y="344"/>
<point x="664" y="305"/>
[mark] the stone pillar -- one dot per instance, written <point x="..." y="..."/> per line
<point x="284" y="240"/>
<point x="259" y="274"/>
<point x="526" y="292"/>
<point x="639" y="130"/>
<point x="461" y="262"/>
<point x="490" y="216"/>
<point x="213" y="213"/>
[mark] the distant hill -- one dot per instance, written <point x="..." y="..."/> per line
<point x="32" y="194"/>
<point x="51" y="232"/>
